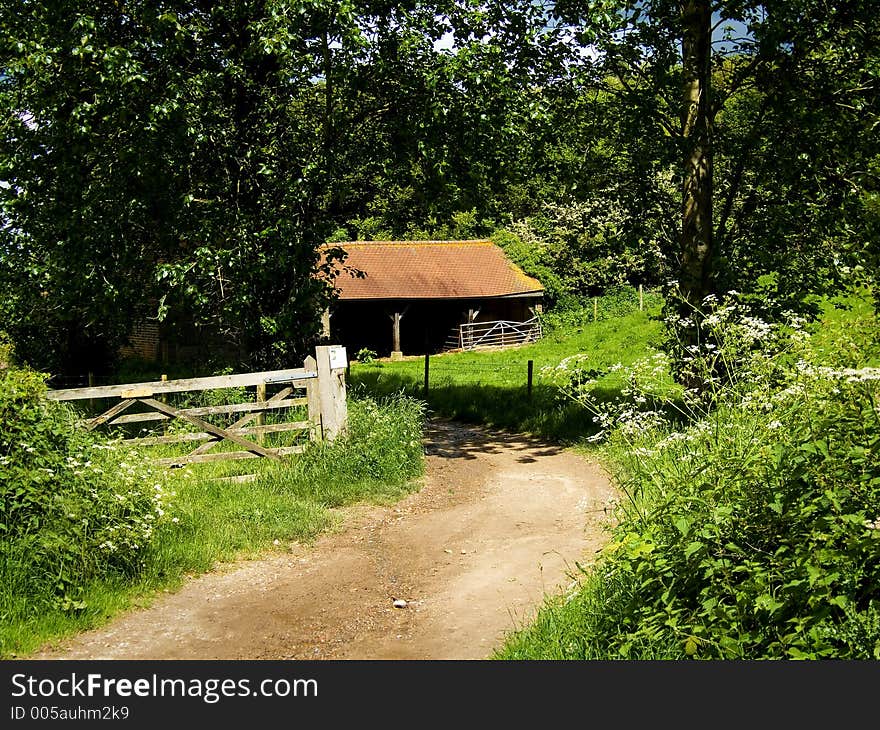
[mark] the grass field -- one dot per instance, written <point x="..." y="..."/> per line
<point x="491" y="386"/>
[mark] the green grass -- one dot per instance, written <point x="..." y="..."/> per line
<point x="749" y="533"/>
<point x="208" y="521"/>
<point x="490" y="387"/>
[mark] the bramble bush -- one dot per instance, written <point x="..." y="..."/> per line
<point x="751" y="523"/>
<point x="73" y="506"/>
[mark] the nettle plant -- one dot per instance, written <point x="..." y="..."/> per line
<point x="752" y="524"/>
<point x="73" y="506"/>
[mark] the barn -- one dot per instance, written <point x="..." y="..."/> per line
<point x="414" y="296"/>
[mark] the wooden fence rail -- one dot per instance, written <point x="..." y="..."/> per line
<point x="322" y="377"/>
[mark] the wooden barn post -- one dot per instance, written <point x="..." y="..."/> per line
<point x="396" y="318"/>
<point x="397" y="352"/>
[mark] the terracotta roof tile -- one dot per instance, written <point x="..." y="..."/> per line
<point x="431" y="270"/>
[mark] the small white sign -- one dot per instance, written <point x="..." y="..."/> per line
<point x="338" y="358"/>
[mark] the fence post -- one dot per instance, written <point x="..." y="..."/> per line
<point x="331" y="390"/>
<point x="261" y="415"/>
<point x="641" y="299"/>
<point x="316" y="433"/>
<point x="529" y="382"/>
<point x="164" y="399"/>
<point x="595" y="309"/>
<point x="427" y="366"/>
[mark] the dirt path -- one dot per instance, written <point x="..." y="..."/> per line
<point x="499" y="523"/>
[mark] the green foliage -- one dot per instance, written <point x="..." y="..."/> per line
<point x="74" y="507"/>
<point x="6" y="350"/>
<point x="581" y="249"/>
<point x="381" y="452"/>
<point x="763" y="541"/>
<point x="152" y="157"/>
<point x="366" y="356"/>
<point x="185" y="163"/>
<point x="791" y="175"/>
<point x="614" y="304"/>
<point x="536" y="261"/>
<point x="60" y="575"/>
<point x="593" y="245"/>
<point x="750" y="531"/>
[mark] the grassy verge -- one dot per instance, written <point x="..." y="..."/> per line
<point x="751" y="531"/>
<point x="202" y="521"/>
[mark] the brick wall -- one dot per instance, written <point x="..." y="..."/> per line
<point x="143" y="341"/>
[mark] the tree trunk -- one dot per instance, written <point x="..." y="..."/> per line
<point x="696" y="128"/>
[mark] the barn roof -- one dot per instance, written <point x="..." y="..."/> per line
<point x="431" y="270"/>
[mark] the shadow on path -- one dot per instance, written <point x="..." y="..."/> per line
<point x="453" y="440"/>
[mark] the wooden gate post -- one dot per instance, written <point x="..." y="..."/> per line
<point x="261" y="416"/>
<point x="316" y="433"/>
<point x="164" y="399"/>
<point x="331" y="390"/>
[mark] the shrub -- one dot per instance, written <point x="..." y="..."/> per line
<point x="366" y="356"/>
<point x="73" y="507"/>
<point x="752" y="531"/>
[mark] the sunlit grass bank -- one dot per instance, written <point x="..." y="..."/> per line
<point x="491" y="386"/>
<point x="751" y="529"/>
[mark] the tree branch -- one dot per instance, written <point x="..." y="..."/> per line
<point x="742" y="160"/>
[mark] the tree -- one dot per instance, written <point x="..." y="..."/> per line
<point x="722" y="81"/>
<point x="87" y="190"/>
<point x="148" y="154"/>
<point x="694" y="278"/>
<point x="196" y="154"/>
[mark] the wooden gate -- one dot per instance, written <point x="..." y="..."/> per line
<point x="322" y="378"/>
<point x="500" y="333"/>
